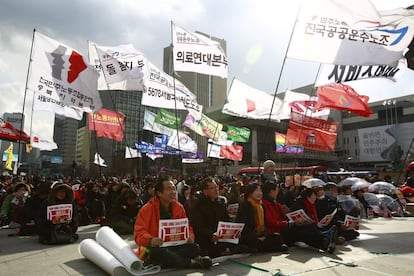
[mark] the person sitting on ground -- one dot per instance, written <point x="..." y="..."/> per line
<point x="95" y="202"/>
<point x="276" y="221"/>
<point x="251" y="213"/>
<point x="13" y="205"/>
<point x="326" y="204"/>
<point x="123" y="213"/>
<point x="165" y="206"/>
<point x="407" y="189"/>
<point x="348" y="205"/>
<point x="32" y="206"/>
<point x="309" y="233"/>
<point x="205" y="215"/>
<point x="184" y="197"/>
<point x="57" y="219"/>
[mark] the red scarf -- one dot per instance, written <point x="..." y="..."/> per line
<point x="310" y="210"/>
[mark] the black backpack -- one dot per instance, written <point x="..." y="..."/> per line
<point x="61" y="234"/>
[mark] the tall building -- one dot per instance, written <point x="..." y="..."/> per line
<point x="384" y="141"/>
<point x="64" y="135"/>
<point x="113" y="152"/>
<point x="211" y="91"/>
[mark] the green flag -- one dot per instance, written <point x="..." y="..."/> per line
<point x="238" y="134"/>
<point x="167" y="119"/>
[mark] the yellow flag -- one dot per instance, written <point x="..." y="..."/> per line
<point x="9" y="160"/>
<point x="29" y="148"/>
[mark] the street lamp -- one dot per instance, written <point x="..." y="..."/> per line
<point x="385" y="103"/>
<point x="394" y="102"/>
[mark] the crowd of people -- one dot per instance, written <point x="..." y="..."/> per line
<point x="53" y="208"/>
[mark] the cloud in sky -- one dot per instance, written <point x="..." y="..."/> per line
<point x="257" y="35"/>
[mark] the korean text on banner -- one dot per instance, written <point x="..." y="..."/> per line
<point x="159" y="91"/>
<point x="350" y="33"/>
<point x="108" y="124"/>
<point x="60" y="72"/>
<point x="194" y="52"/>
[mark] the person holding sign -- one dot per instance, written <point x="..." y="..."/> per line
<point x="276" y="220"/>
<point x="57" y="220"/>
<point x="252" y="214"/>
<point x="205" y="215"/>
<point x="326" y="205"/>
<point x="307" y="230"/>
<point x="164" y="210"/>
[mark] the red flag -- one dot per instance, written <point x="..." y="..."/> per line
<point x="342" y="97"/>
<point x="311" y="133"/>
<point x="232" y="152"/>
<point x="108" y="124"/>
<point x="10" y="133"/>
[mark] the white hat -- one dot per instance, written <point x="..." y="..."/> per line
<point x="268" y="163"/>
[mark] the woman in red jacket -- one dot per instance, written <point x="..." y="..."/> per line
<point x="275" y="213"/>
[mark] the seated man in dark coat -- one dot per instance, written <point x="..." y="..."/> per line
<point x="205" y="215"/>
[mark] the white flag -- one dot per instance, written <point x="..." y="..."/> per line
<point x="46" y="103"/>
<point x="154" y="156"/>
<point x="60" y="72"/>
<point x="248" y="102"/>
<point x="99" y="160"/>
<point x="183" y="142"/>
<point x="303" y="104"/>
<point x="222" y="140"/>
<point x="213" y="150"/>
<point x="43" y="143"/>
<point x="159" y="91"/>
<point x="131" y="153"/>
<point x="195" y="52"/>
<point x="119" y="63"/>
<point x="16" y="167"/>
<point x="130" y="84"/>
<point x="330" y="73"/>
<point x="350" y="32"/>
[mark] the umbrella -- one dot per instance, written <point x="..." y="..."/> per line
<point x="313" y="182"/>
<point x="349" y="204"/>
<point x="360" y="185"/>
<point x="382" y="187"/>
<point x="390" y="203"/>
<point x="374" y="203"/>
<point x="349" y="181"/>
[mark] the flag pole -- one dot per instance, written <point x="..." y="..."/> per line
<point x="24" y="98"/>
<point x="96" y="145"/>
<point x="140" y="134"/>
<point x="30" y="135"/>
<point x="276" y="89"/>
<point x="114" y="106"/>
<point x="306" y="112"/>
<point x="175" y="98"/>
<point x="93" y="121"/>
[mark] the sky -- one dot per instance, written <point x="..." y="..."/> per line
<point x="257" y="34"/>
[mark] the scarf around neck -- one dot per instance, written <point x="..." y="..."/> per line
<point x="258" y="215"/>
<point x="310" y="210"/>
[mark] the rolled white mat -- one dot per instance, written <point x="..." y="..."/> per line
<point x="102" y="258"/>
<point x="115" y="245"/>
